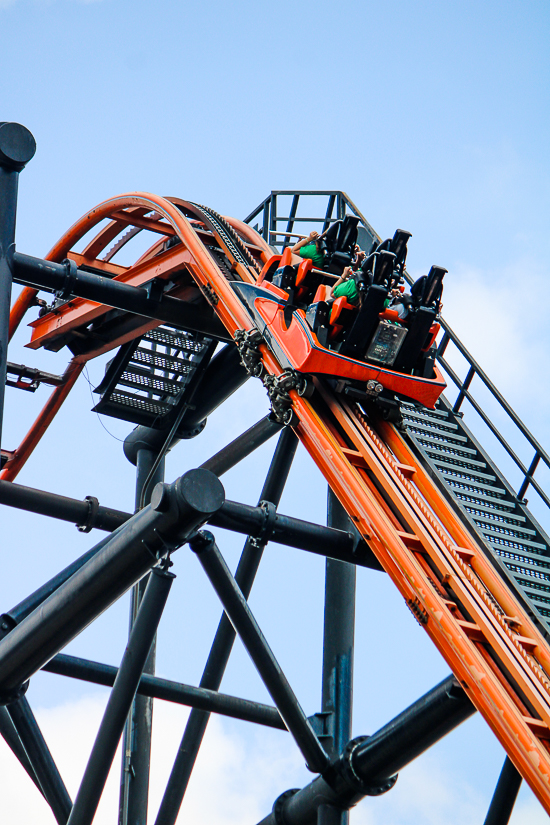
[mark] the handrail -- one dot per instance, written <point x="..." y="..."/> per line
<point x="270" y="218"/>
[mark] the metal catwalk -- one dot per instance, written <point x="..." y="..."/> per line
<point x="423" y="501"/>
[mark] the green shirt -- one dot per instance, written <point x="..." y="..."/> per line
<point x="349" y="289"/>
<point x="310" y="251"/>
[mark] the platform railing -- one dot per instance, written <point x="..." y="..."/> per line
<point x="267" y="220"/>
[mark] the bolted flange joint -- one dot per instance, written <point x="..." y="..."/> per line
<point x="279" y="806"/>
<point x="346" y="769"/>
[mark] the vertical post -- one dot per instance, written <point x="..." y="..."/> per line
<point x="225" y="636"/>
<point x="273" y="220"/>
<point x="136" y="750"/>
<point x="17" y="147"/>
<point x="504" y="797"/>
<point x="339" y="632"/>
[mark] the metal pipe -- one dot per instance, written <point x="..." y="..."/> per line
<point x="136" y="743"/>
<point x="41" y="759"/>
<point x="258" y="521"/>
<point x="242" y="446"/>
<point x="121" y="698"/>
<point x="504" y="797"/>
<point x="16" y="615"/>
<point x="225" y="636"/>
<point x="66" y="278"/>
<point x="174" y="513"/>
<point x="329" y="815"/>
<point x="368" y="764"/>
<point x="12" y="740"/>
<point x="87" y="513"/>
<point x="17" y="147"/>
<point x="241" y="518"/>
<point x="156" y="688"/>
<point x="240" y="615"/>
<point x="339" y="634"/>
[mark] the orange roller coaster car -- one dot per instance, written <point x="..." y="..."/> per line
<point x="288" y="328"/>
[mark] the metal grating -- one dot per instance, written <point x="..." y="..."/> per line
<point x="151" y="376"/>
<point x="492" y="508"/>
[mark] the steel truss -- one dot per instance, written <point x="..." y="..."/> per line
<point x="481" y="618"/>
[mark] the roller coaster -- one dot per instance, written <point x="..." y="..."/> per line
<point x="413" y="492"/>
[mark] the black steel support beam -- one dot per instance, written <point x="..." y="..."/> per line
<point x="260" y="522"/>
<point x="242" y="446"/>
<point x="13" y="741"/>
<point x="504" y="797"/>
<point x="73" y="282"/>
<point x="339" y="635"/>
<point x="369" y="764"/>
<point x="42" y="762"/>
<point x="338" y="643"/>
<point x="136" y="746"/>
<point x="240" y="615"/>
<point x="175" y="512"/>
<point x="121" y="698"/>
<point x="156" y="688"/>
<point x="85" y="514"/>
<point x="15" y="615"/>
<point x="17" y="147"/>
<point x="225" y="636"/>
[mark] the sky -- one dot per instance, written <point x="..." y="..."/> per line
<point x="433" y="117"/>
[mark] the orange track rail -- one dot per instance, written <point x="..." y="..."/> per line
<point x="451" y="587"/>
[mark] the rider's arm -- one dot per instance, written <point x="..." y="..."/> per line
<point x="343" y="277"/>
<point x="312" y="237"/>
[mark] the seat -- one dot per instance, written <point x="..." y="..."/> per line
<point x="338" y="244"/>
<point x="307" y="281"/>
<point x="386" y="261"/>
<point x="364" y="322"/>
<point x="428" y="290"/>
<point x="341" y="317"/>
<point x="426" y="295"/>
<point x="322" y="293"/>
<point x="285" y="276"/>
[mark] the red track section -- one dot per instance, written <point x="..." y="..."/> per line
<point x="452" y="589"/>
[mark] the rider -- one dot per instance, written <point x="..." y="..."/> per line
<point x="346" y="283"/>
<point x="310" y="247"/>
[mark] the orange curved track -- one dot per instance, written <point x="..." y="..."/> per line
<point x="453" y="590"/>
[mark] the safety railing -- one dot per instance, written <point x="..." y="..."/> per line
<point x="268" y="223"/>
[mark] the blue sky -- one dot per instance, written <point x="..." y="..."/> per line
<point x="433" y="117"/>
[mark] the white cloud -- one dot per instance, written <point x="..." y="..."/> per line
<point x="237" y="777"/>
<point x="500" y="317"/>
<point x="247" y="773"/>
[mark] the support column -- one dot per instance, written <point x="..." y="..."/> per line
<point x="339" y="632"/>
<point x="136" y="748"/>
<point x="504" y="797"/>
<point x="225" y="634"/>
<point x="17" y="147"/>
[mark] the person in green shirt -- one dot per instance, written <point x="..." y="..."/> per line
<point x="309" y="248"/>
<point x="346" y="285"/>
